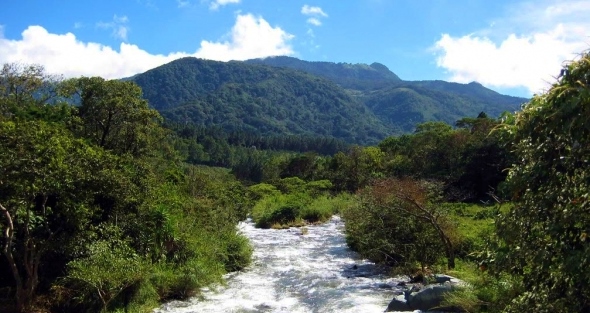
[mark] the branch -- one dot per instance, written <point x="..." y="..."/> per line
<point x="7" y="249"/>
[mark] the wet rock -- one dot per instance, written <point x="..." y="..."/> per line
<point x="425" y="298"/>
<point x="429" y="297"/>
<point x="441" y="278"/>
<point x="263" y="307"/>
<point x="398" y="304"/>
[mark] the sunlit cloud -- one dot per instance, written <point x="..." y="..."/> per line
<point x="526" y="48"/>
<point x="250" y="37"/>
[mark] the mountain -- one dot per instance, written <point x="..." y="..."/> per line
<point x="358" y="103"/>
<point x="258" y="98"/>
<point x="403" y="104"/>
<point x="348" y="76"/>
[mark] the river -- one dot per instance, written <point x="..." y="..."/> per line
<point x="295" y="272"/>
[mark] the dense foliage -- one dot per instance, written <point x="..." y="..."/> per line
<point x="97" y="211"/>
<point x="403" y="104"/>
<point x="544" y="237"/>
<point x="349" y="76"/>
<point x="359" y="104"/>
<point x="236" y="96"/>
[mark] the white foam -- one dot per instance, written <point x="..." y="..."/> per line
<point x="292" y="272"/>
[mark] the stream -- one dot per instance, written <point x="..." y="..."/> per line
<point x="295" y="272"/>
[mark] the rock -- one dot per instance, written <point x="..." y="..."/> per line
<point x="441" y="278"/>
<point x="398" y="304"/>
<point x="426" y="298"/>
<point x="429" y="297"/>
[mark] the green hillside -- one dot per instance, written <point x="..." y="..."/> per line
<point x="357" y="103"/>
<point x="258" y="98"/>
<point x="404" y="104"/>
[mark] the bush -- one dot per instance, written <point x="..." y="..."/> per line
<point x="279" y="210"/>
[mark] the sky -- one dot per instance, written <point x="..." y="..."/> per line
<point x="514" y="47"/>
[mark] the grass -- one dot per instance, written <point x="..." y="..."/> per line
<point x="295" y="210"/>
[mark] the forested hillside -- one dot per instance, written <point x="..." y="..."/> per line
<point x="348" y="76"/>
<point x="357" y="103"/>
<point x="259" y="99"/>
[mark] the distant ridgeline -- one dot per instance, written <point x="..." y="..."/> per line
<point x="357" y="103"/>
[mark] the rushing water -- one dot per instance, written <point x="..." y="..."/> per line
<point x="295" y="272"/>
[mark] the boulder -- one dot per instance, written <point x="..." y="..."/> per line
<point x="398" y="304"/>
<point x="442" y="278"/>
<point x="429" y="297"/>
<point x="425" y="298"/>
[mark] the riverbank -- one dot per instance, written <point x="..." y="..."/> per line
<point x="296" y="272"/>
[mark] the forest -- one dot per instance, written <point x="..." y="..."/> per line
<point x="106" y="206"/>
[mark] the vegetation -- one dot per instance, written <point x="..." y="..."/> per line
<point x="543" y="237"/>
<point x="359" y="104"/>
<point x="105" y="207"/>
<point x="295" y="203"/>
<point x="98" y="213"/>
<point x="402" y="105"/>
<point x="259" y="99"/>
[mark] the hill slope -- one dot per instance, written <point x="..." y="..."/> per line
<point x="258" y="98"/>
<point x="348" y="76"/>
<point x="357" y="103"/>
<point x="405" y="103"/>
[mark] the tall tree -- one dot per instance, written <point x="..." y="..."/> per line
<point x="114" y="115"/>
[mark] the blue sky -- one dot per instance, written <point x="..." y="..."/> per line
<point x="514" y="47"/>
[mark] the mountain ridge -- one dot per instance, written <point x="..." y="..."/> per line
<point x="358" y="103"/>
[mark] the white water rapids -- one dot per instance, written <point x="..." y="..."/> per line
<point x="294" y="272"/>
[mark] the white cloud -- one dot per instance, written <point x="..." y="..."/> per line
<point x="314" y="11"/>
<point x="118" y="26"/>
<point x="524" y="49"/>
<point x="314" y="21"/>
<point x="219" y="3"/>
<point x="250" y="37"/>
<point x="315" y="15"/>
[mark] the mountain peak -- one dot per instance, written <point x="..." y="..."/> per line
<point x="380" y="67"/>
<point x="347" y="75"/>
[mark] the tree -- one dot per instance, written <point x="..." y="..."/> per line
<point x="114" y="115"/>
<point x="45" y="196"/>
<point x="545" y="234"/>
<point x="26" y="91"/>
<point x="399" y="221"/>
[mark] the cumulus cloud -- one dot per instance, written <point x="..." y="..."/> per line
<point x="219" y="3"/>
<point x="313" y="11"/>
<point x="523" y="49"/>
<point x="250" y="37"/>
